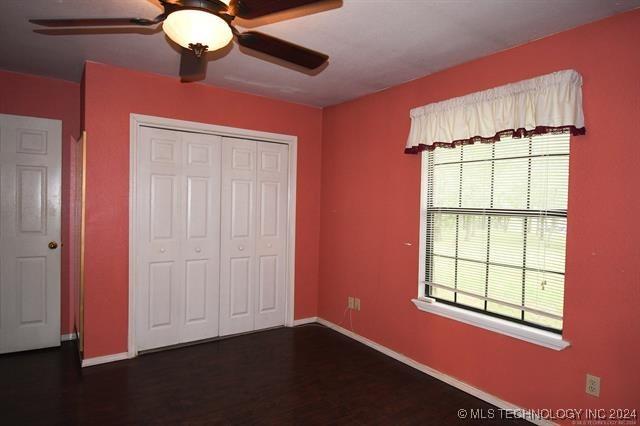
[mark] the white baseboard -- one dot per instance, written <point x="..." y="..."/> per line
<point x="480" y="394"/>
<point x="105" y="359"/>
<point x="67" y="337"/>
<point x="304" y="321"/>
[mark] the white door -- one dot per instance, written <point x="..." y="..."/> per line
<point x="253" y="240"/>
<point x="178" y="226"/>
<point x="30" y="162"/>
<point x="238" y="239"/>
<point x="271" y="238"/>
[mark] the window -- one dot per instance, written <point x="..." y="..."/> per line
<point x="494" y="231"/>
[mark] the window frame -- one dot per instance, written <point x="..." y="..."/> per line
<point x="513" y="327"/>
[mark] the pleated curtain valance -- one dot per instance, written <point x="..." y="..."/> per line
<point x="546" y="104"/>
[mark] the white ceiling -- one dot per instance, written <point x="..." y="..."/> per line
<point x="373" y="44"/>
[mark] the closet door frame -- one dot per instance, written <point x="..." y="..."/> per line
<point x="136" y="122"/>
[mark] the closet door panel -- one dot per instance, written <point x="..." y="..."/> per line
<point x="238" y="236"/>
<point x="159" y="268"/>
<point x="200" y="244"/>
<point x="268" y="284"/>
<point x="271" y="239"/>
<point x="196" y="293"/>
<point x="240" y="287"/>
<point x="241" y="208"/>
<point x="162" y="283"/>
<point x="198" y="207"/>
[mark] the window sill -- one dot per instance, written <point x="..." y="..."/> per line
<point x="517" y="331"/>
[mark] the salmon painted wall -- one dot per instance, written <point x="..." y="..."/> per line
<point x="111" y="94"/>
<point x="370" y="208"/>
<point x="30" y="95"/>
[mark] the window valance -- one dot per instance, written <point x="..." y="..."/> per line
<point x="546" y="104"/>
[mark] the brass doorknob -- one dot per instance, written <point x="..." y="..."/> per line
<point x="53" y="245"/>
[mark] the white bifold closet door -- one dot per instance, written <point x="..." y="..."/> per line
<point x="254" y="235"/>
<point x="178" y="247"/>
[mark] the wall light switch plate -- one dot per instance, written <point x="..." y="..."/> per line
<point x="356" y="304"/>
<point x="350" y="302"/>
<point x="593" y="385"/>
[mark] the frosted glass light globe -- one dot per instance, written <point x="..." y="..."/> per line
<point x="190" y="26"/>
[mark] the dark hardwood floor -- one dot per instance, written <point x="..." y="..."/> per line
<point x="304" y="376"/>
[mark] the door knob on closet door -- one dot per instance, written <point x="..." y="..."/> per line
<point x="241" y="248"/>
<point x="198" y="250"/>
<point x="52" y="245"/>
<point x="162" y="250"/>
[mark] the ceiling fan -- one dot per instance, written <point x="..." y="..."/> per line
<point x="207" y="25"/>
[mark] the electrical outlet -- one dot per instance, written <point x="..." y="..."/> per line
<point x="593" y="385"/>
<point x="350" y="302"/>
<point x="356" y="304"/>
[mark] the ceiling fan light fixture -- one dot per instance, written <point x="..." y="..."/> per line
<point x="192" y="27"/>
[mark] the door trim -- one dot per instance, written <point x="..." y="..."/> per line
<point x="137" y="121"/>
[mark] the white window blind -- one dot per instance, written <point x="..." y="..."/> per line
<point x="495" y="231"/>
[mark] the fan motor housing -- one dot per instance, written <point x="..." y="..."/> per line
<point x="214" y="6"/>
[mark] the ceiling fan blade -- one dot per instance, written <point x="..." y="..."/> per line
<point x="97" y="31"/>
<point x="250" y="9"/>
<point x="284" y="50"/>
<point x="192" y="67"/>
<point x="95" y="22"/>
